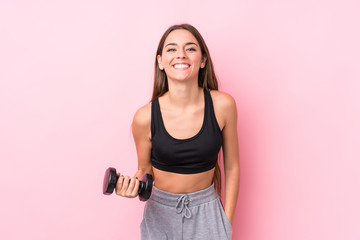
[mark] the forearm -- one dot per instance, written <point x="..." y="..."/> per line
<point x="232" y="182"/>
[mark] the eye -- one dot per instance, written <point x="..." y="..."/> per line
<point x="191" y="49"/>
<point x="170" y="49"/>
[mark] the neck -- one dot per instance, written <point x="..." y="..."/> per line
<point x="183" y="94"/>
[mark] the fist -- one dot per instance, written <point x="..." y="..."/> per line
<point x="127" y="187"/>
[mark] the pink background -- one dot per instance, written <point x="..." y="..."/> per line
<point x="73" y="73"/>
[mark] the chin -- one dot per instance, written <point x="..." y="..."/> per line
<point x="183" y="78"/>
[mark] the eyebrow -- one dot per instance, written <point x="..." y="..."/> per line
<point x="188" y="43"/>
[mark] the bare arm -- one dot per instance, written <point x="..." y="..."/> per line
<point x="126" y="186"/>
<point x="231" y="156"/>
<point x="142" y="135"/>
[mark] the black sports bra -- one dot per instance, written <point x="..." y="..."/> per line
<point x="192" y="155"/>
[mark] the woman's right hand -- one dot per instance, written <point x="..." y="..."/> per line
<point x="127" y="187"/>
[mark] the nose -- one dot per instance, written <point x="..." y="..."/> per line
<point x="181" y="54"/>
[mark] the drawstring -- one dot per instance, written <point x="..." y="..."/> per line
<point x="182" y="206"/>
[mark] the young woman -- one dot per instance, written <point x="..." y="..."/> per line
<point x="178" y="136"/>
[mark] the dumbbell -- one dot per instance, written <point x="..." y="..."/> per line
<point x="111" y="178"/>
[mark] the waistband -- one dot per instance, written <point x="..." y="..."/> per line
<point x="196" y="198"/>
<point x="182" y="202"/>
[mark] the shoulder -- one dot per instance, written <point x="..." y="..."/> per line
<point x="224" y="108"/>
<point x="223" y="101"/>
<point x="142" y="117"/>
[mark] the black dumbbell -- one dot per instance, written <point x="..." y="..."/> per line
<point x="110" y="180"/>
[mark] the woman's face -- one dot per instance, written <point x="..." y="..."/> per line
<point x="181" y="56"/>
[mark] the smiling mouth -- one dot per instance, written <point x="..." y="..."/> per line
<point x="181" y="66"/>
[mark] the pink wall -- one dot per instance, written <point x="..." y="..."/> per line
<point x="73" y="73"/>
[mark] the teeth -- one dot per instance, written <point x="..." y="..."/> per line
<point x="181" y="66"/>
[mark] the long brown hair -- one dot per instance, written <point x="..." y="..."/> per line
<point x="206" y="79"/>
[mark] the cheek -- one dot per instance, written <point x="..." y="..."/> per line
<point x="167" y="61"/>
<point x="197" y="59"/>
<point x="166" y="56"/>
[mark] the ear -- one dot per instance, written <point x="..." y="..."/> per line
<point x="203" y="62"/>
<point x="159" y="62"/>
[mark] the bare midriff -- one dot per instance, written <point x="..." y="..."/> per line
<point x="182" y="183"/>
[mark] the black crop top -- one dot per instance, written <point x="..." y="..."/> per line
<point x="192" y="155"/>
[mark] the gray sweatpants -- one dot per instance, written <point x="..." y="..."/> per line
<point x="198" y="215"/>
